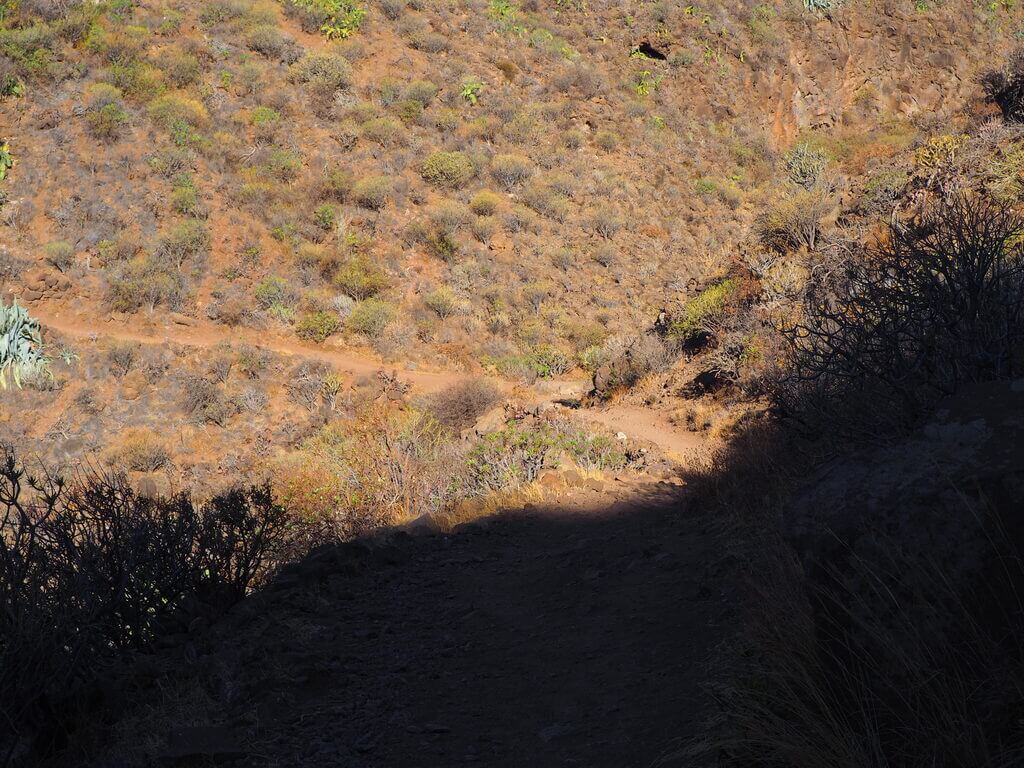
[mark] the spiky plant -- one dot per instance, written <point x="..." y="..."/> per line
<point x="21" y="346"/>
<point x="6" y="159"/>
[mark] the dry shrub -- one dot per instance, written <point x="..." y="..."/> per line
<point x="793" y="219"/>
<point x="385" y="466"/>
<point x="139" y="450"/>
<point x="90" y="573"/>
<point x="936" y="305"/>
<point x="458" y="406"/>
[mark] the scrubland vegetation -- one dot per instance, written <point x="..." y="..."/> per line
<point x="737" y="215"/>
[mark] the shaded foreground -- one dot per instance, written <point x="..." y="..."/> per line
<point x="551" y="636"/>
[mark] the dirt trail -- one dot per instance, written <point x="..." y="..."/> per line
<point x="635" y="422"/>
<point x="645" y="424"/>
<point x="191" y="334"/>
<point x="573" y="633"/>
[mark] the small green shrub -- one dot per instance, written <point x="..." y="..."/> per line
<point x="700" y="311"/>
<point x="317" y="326"/>
<point x="274" y="290"/>
<point x="606" y="140"/>
<point x="485" y="203"/>
<point x="451" y="170"/>
<point x="60" y="255"/>
<point x="805" y="164"/>
<point x="327" y="72"/>
<point x="442" y="301"/>
<point x="385" y="131"/>
<point x="325" y="217"/>
<point x="185" y="240"/>
<point x="449" y="216"/>
<point x="511" y="170"/>
<point x="145" y="281"/>
<point x="471" y="90"/>
<point x="174" y="109"/>
<point x="360" y="278"/>
<point x="371" y="318"/>
<point x="422" y="91"/>
<point x="336" y="19"/>
<point x="373" y="192"/>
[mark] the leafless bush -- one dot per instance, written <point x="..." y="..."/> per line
<point x="1006" y="87"/>
<point x="460" y="405"/>
<point x="937" y="304"/>
<point x="793" y="220"/>
<point x="204" y="400"/>
<point x="123" y="357"/>
<point x="89" y="571"/>
<point x="306" y="383"/>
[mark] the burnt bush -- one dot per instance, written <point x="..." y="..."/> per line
<point x="91" y="572"/>
<point x="937" y="304"/>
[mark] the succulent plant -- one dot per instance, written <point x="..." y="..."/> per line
<point x="6" y="159"/>
<point x="21" y="346"/>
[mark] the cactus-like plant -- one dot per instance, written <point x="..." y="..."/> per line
<point x="6" y="159"/>
<point x="21" y="346"/>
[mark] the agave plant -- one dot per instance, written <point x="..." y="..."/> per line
<point x="6" y="159"/>
<point x="21" y="346"/>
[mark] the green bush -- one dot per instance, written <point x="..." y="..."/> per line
<point x="422" y="91"/>
<point x="328" y="71"/>
<point x="385" y="131"/>
<point x="805" y="164"/>
<point x="517" y="453"/>
<point x="360" y="279"/>
<point x="173" y="109"/>
<point x="371" y="317"/>
<point x="335" y="19"/>
<point x="107" y="122"/>
<point x="451" y="170"/>
<point x="185" y="240"/>
<point x="325" y="217"/>
<point x="145" y="281"/>
<point x="273" y="290"/>
<point x="443" y="301"/>
<point x="317" y="326"/>
<point x="265" y="122"/>
<point x="700" y="311"/>
<point x="485" y="203"/>
<point x="105" y="114"/>
<point x="372" y="192"/>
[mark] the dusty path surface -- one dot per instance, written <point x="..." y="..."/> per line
<point x="635" y="422"/>
<point x="204" y="336"/>
<point x="645" y="424"/>
<point x="572" y="633"/>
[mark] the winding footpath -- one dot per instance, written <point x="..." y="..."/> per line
<point x="638" y="423"/>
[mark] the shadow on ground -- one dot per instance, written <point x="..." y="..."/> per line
<point x="557" y="635"/>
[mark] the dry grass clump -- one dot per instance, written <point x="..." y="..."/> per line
<point x="139" y="450"/>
